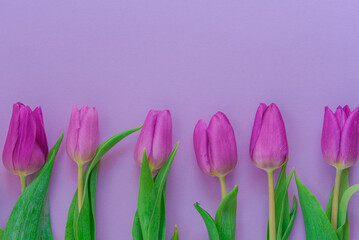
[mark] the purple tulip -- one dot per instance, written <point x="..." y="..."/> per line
<point x="340" y="137"/>
<point x="82" y="136"/>
<point x="269" y="147"/>
<point x="215" y="146"/>
<point x="26" y="148"/>
<point x="156" y="138"/>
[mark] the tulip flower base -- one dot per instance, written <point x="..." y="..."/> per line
<point x="317" y="222"/>
<point x="82" y="225"/>
<point x="283" y="218"/>
<point x="223" y="227"/>
<point x="150" y="218"/>
<point x="32" y="208"/>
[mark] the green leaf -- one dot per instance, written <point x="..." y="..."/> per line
<point x="83" y="225"/>
<point x="210" y="224"/>
<point x="175" y="234"/>
<point x="317" y="225"/>
<point x="159" y="186"/>
<point x="31" y="208"/>
<point x="343" y="211"/>
<point x="1" y="234"/>
<point x="146" y="196"/>
<point x="291" y="219"/>
<point x="225" y="219"/>
<point x="136" y="228"/>
<point x="283" y="216"/>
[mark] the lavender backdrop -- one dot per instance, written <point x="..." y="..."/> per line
<point x="194" y="58"/>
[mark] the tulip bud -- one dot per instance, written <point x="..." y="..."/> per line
<point x="340" y="137"/>
<point x="269" y="147"/>
<point x="82" y="136"/>
<point x="26" y="148"/>
<point x="156" y="138"/>
<point x="215" y="147"/>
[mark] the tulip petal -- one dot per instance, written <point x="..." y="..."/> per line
<point x="349" y="144"/>
<point x="40" y="131"/>
<point x="347" y="110"/>
<point x="146" y="136"/>
<point x="341" y="117"/>
<point x="11" y="138"/>
<point x="200" y="141"/>
<point x="162" y="140"/>
<point x="88" y="133"/>
<point x="257" y="127"/>
<point x="222" y="148"/>
<point x="73" y="133"/>
<point x="330" y="141"/>
<point x="271" y="148"/>
<point x="26" y="140"/>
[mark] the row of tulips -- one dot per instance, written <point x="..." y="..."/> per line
<point x="26" y="152"/>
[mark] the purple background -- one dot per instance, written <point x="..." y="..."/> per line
<point x="194" y="58"/>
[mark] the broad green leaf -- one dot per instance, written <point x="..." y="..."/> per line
<point x="316" y="222"/>
<point x="1" y="234"/>
<point x="82" y="225"/>
<point x="31" y="208"/>
<point x="175" y="234"/>
<point x="146" y="196"/>
<point x="159" y="186"/>
<point x="343" y="210"/>
<point x="70" y="231"/>
<point x="291" y="219"/>
<point x="210" y="224"/>
<point x="136" y="228"/>
<point x="225" y="219"/>
<point x="44" y="231"/>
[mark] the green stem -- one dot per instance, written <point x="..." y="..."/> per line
<point x="272" y="231"/>
<point x="80" y="184"/>
<point x="336" y="199"/>
<point x="23" y="183"/>
<point x="222" y="180"/>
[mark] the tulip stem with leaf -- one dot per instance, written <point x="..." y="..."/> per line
<point x="216" y="152"/>
<point x="269" y="151"/>
<point x="153" y="153"/>
<point x="82" y="141"/>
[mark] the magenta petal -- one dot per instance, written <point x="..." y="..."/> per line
<point x="349" y="145"/>
<point x="146" y="136"/>
<point x="88" y="133"/>
<point x="38" y="160"/>
<point x="73" y="133"/>
<point x="341" y="117"/>
<point x="162" y="140"/>
<point x="257" y="127"/>
<point x="222" y="148"/>
<point x="347" y="110"/>
<point x="11" y="138"/>
<point x="330" y="137"/>
<point x="22" y="153"/>
<point x="271" y="148"/>
<point x="200" y="141"/>
<point x="40" y="131"/>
